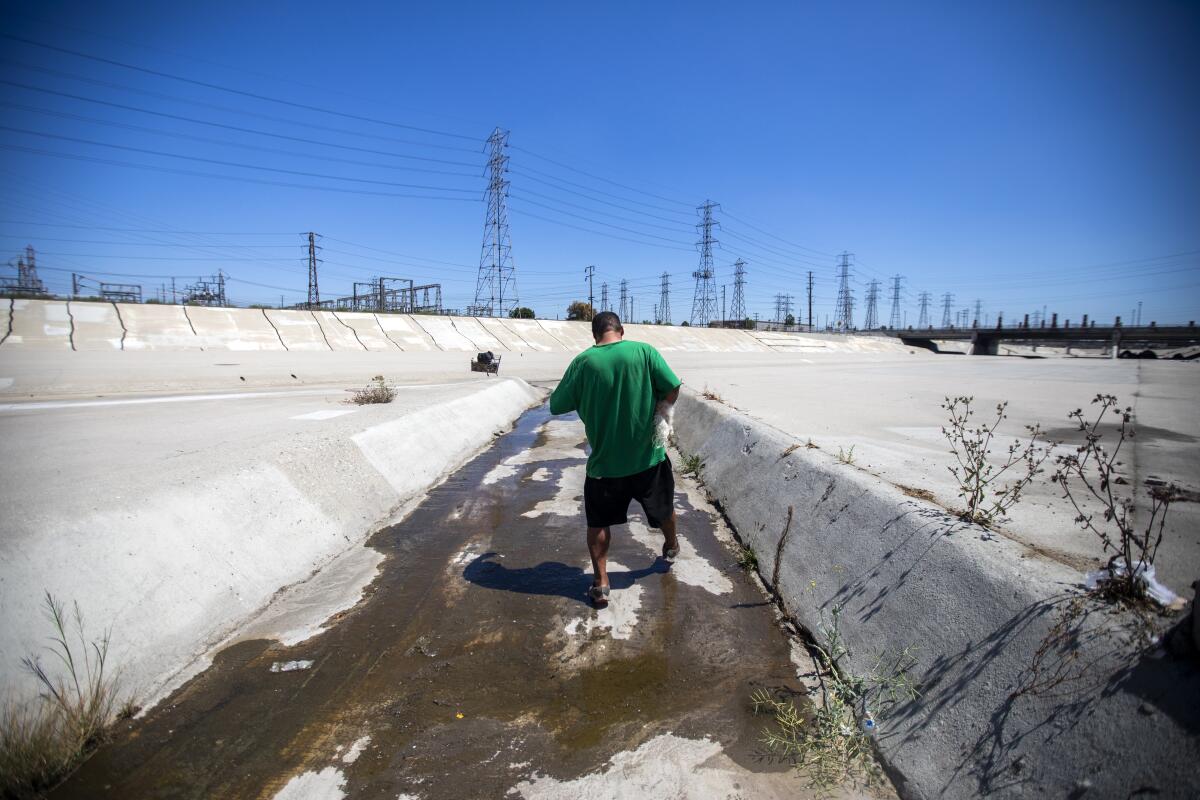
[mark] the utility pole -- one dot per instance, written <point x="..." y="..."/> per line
<point x="496" y="284"/>
<point x="589" y="272"/>
<point x="894" y="322"/>
<point x="738" y="311"/>
<point x="624" y="313"/>
<point x="704" y="299"/>
<point x="314" y="296"/>
<point x="947" y="301"/>
<point x="872" y="306"/>
<point x="923" y="319"/>
<point x="723" y="317"/>
<point x="663" y="314"/>
<point x="810" y="288"/>
<point x="844" y="319"/>
<point x="1139" y="313"/>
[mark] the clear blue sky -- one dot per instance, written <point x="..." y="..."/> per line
<point x="1025" y="154"/>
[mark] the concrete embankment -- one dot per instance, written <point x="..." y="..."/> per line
<point x="1026" y="688"/>
<point x="175" y="520"/>
<point x="76" y="325"/>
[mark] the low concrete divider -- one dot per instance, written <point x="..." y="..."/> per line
<point x="201" y="542"/>
<point x="1027" y="688"/>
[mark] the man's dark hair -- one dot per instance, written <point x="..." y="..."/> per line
<point x="605" y="321"/>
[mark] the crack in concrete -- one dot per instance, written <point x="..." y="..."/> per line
<point x="71" y="319"/>
<point x="190" y="325"/>
<point x="8" y="329"/>
<point x="460" y="333"/>
<point x="350" y="328"/>
<point x="277" y="334"/>
<point x="385" y="333"/>
<point x="551" y="335"/>
<point x="779" y="551"/>
<point x="426" y="332"/>
<point x="515" y="332"/>
<point x="321" y="328"/>
<point x="121" y="320"/>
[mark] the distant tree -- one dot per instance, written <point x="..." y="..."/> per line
<point x="748" y="324"/>
<point x="580" y="310"/>
<point x="259" y="305"/>
<point x="153" y="301"/>
<point x="685" y="324"/>
<point x="790" y="319"/>
<point x="521" y="312"/>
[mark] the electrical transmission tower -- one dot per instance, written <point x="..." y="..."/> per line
<point x="978" y="313"/>
<point x="783" y="308"/>
<point x="947" y="301"/>
<point x="604" y="306"/>
<point x="662" y="314"/>
<point x="496" y="286"/>
<point x="738" y="309"/>
<point x="923" y="322"/>
<point x="872" y="306"/>
<point x="844" y="316"/>
<point x="894" y="322"/>
<point x="704" y="300"/>
<point x="625" y="309"/>
<point x="314" y="295"/>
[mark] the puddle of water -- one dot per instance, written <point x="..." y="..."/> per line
<point x="453" y="676"/>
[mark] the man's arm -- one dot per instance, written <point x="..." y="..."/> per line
<point x="666" y="384"/>
<point x="564" y="399"/>
<point x="672" y="396"/>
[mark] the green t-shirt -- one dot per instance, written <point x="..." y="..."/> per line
<point x="615" y="387"/>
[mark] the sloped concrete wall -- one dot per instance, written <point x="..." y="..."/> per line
<point x="237" y="329"/>
<point x="367" y="330"/>
<point x="299" y="330"/>
<point x="157" y="327"/>
<point x="339" y="335"/>
<point x="444" y="334"/>
<point x="39" y="323"/>
<point x="95" y="326"/>
<point x="407" y="335"/>
<point x="976" y="607"/>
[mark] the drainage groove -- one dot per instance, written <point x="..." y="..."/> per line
<point x="277" y="334"/>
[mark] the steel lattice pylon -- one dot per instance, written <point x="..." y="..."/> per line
<point x="737" y="310"/>
<point x="704" y="300"/>
<point x="496" y="286"/>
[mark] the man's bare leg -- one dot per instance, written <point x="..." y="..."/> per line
<point x="671" y="539"/>
<point x="598" y="539"/>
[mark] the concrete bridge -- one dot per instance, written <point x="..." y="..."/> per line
<point x="1116" y="339"/>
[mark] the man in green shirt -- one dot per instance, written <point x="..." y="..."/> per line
<point x="616" y="387"/>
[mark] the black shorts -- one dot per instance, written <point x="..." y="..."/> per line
<point x="606" y="500"/>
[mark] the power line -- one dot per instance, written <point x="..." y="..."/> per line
<point x="242" y="92"/>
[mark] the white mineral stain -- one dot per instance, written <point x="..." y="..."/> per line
<point x="328" y="784"/>
<point x="667" y="766"/>
<point x="290" y="666"/>
<point x="619" y="617"/>
<point x="690" y="568"/>
<point x="356" y="750"/>
<point x="566" y="502"/>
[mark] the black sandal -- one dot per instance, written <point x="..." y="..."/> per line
<point x="598" y="595"/>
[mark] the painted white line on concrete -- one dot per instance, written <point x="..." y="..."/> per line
<point x="192" y="398"/>
<point x="138" y="401"/>
<point x="328" y="413"/>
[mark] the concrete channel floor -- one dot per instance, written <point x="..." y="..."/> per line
<point x="474" y="667"/>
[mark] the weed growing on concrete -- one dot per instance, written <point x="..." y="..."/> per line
<point x="835" y="744"/>
<point x="709" y="394"/>
<point x="978" y="478"/>
<point x="747" y="559"/>
<point x="1092" y="472"/>
<point x="42" y="740"/>
<point x="692" y="465"/>
<point x="377" y="391"/>
<point x="846" y="456"/>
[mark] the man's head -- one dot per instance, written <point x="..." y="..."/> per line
<point x="604" y="322"/>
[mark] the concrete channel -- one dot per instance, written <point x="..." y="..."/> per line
<point x="473" y="666"/>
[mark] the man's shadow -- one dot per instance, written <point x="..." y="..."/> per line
<point x="550" y="577"/>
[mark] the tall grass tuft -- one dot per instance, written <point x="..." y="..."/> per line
<point x="43" y="739"/>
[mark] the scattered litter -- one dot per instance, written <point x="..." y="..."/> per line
<point x="290" y="666"/>
<point x="459" y="715"/>
<point x="1145" y="575"/>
